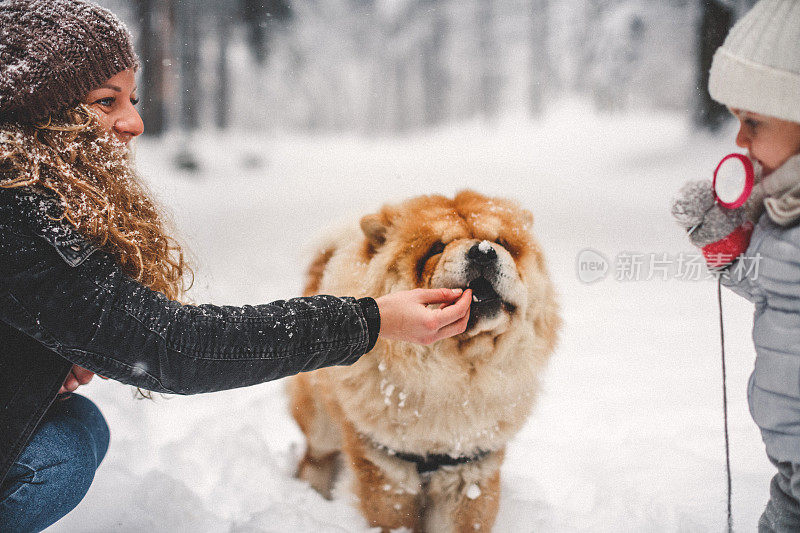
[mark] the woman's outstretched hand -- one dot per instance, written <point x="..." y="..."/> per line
<point x="77" y="376"/>
<point x="405" y="315"/>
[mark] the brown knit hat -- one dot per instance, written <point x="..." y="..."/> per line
<point x="53" y="52"/>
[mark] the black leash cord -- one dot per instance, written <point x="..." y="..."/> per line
<point x="725" y="403"/>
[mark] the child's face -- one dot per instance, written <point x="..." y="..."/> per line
<point x="771" y="141"/>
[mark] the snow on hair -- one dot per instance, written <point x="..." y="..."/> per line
<point x="89" y="169"/>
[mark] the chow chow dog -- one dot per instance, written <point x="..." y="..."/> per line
<point x="423" y="429"/>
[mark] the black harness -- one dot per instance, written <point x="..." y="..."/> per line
<point x="431" y="462"/>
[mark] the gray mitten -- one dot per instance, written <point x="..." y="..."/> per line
<point x="695" y="207"/>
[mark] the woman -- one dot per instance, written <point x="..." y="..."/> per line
<point x="90" y="278"/>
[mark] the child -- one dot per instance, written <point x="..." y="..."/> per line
<point x="756" y="73"/>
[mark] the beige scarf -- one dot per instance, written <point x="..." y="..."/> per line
<point x="778" y="194"/>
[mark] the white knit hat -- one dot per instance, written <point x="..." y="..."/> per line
<point x="758" y="67"/>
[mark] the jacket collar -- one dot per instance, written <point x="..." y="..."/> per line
<point x="778" y="194"/>
<point x="42" y="212"/>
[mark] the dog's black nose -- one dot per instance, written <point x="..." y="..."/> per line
<point x="482" y="253"/>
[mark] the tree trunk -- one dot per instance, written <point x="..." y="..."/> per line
<point x="541" y="71"/>
<point x="222" y="117"/>
<point x="434" y="75"/>
<point x="151" y="50"/>
<point x="489" y="85"/>
<point x="188" y="52"/>
<point x="715" y="21"/>
<point x="401" y="103"/>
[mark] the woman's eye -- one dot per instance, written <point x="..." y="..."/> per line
<point x="751" y="123"/>
<point x="105" y="102"/>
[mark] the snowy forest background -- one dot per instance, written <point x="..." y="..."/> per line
<point x="389" y="66"/>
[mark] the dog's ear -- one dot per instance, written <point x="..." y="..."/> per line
<point x="527" y="219"/>
<point x="375" y="228"/>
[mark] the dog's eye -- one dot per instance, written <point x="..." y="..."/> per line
<point x="434" y="250"/>
<point x="504" y="243"/>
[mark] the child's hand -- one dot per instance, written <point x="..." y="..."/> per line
<point x="406" y="316"/>
<point x="692" y="203"/>
<point x="722" y="234"/>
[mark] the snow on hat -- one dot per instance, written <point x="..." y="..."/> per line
<point x="758" y="67"/>
<point x="53" y="52"/>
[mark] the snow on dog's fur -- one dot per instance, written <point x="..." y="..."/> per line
<point x="460" y="397"/>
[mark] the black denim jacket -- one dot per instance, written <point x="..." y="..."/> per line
<point x="64" y="301"/>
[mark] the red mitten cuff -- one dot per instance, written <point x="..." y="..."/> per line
<point x="725" y="251"/>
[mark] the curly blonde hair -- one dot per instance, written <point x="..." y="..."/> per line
<point x="89" y="169"/>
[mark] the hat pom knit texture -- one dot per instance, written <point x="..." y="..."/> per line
<point x="53" y="52"/>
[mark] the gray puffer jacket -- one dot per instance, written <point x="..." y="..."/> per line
<point x="768" y="274"/>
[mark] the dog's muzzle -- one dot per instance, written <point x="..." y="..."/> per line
<point x="483" y="254"/>
<point x="483" y="271"/>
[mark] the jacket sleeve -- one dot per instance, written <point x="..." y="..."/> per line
<point x="742" y="276"/>
<point x="76" y="301"/>
<point x="769" y="273"/>
<point x="736" y="277"/>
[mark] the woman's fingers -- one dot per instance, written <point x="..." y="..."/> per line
<point x="455" y="312"/>
<point x="70" y="384"/>
<point x="77" y="376"/>
<point x="437" y="296"/>
<point x="456" y="328"/>
<point x="82" y="375"/>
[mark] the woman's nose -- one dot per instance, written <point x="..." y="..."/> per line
<point x="130" y="123"/>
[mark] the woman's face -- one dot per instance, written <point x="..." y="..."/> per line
<point x="113" y="103"/>
<point x="771" y="141"/>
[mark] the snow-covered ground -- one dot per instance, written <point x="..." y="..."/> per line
<point x="628" y="435"/>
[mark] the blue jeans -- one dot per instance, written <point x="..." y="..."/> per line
<point x="56" y="468"/>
